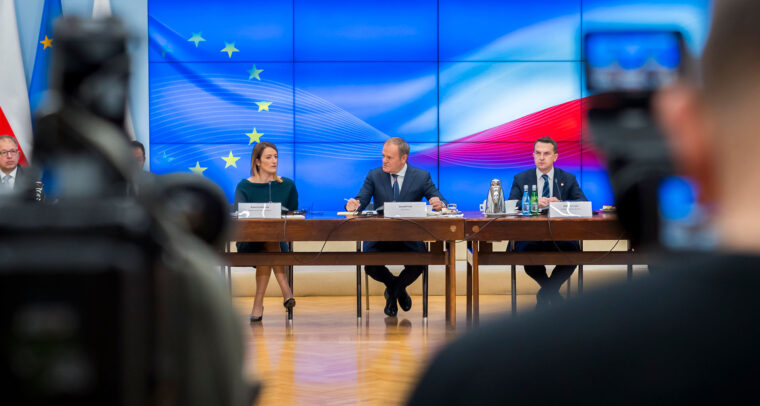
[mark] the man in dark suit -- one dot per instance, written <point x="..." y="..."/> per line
<point x="396" y="181"/>
<point x="554" y="185"/>
<point x="12" y="176"/>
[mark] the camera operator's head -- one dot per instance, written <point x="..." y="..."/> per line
<point x="713" y="129"/>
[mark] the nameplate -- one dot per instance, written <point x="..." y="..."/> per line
<point x="259" y="210"/>
<point x="570" y="209"/>
<point x="405" y="209"/>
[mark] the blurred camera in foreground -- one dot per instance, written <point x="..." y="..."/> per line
<point x="109" y="291"/>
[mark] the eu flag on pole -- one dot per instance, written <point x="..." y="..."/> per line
<point x="45" y="44"/>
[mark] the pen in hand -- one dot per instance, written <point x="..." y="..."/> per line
<point x="349" y="201"/>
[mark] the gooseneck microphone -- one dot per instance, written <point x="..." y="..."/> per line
<point x="558" y="187"/>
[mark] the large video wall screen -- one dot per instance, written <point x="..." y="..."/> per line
<point x="470" y="85"/>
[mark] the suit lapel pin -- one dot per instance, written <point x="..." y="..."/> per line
<point x="562" y="184"/>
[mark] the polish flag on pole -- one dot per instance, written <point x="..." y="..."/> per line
<point x="102" y="9"/>
<point x="15" y="117"/>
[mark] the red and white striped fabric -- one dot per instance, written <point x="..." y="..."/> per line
<point x="15" y="118"/>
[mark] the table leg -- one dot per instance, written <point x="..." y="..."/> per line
<point x="630" y="265"/>
<point x="470" y="258"/>
<point x="359" y="285"/>
<point x="476" y="282"/>
<point x="228" y="268"/>
<point x="359" y="292"/>
<point x="451" y="285"/>
<point x="514" y="289"/>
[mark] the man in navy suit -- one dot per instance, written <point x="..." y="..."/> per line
<point x="554" y="185"/>
<point x="396" y="181"/>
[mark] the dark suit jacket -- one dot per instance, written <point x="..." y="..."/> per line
<point x="24" y="178"/>
<point x="565" y="185"/>
<point x="417" y="184"/>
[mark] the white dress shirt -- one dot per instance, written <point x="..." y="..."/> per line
<point x="401" y="174"/>
<point x="11" y="180"/>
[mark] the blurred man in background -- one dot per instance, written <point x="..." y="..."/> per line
<point x="10" y="171"/>
<point x="685" y="334"/>
<point x="138" y="149"/>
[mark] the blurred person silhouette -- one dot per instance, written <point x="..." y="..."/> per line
<point x="264" y="185"/>
<point x="685" y="334"/>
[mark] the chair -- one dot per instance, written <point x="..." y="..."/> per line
<point x="513" y="277"/>
<point x="226" y="271"/>
<point x="366" y="284"/>
<point x="289" y="271"/>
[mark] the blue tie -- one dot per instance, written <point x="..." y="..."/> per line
<point x="545" y="190"/>
<point x="395" y="187"/>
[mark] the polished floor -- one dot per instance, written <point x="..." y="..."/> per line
<point x="327" y="357"/>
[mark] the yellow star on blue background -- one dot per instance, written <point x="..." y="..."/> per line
<point x="254" y="73"/>
<point x="230" y="160"/>
<point x="254" y="136"/>
<point x="263" y="106"/>
<point x="47" y="42"/>
<point x="229" y="48"/>
<point x="196" y="38"/>
<point x="197" y="168"/>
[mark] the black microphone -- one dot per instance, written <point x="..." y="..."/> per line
<point x="558" y="188"/>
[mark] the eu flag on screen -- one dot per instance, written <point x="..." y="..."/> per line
<point x="45" y="44"/>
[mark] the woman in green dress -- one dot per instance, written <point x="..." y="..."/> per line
<point x="264" y="185"/>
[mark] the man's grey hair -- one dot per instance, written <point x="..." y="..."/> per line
<point x="8" y="137"/>
<point x="403" y="147"/>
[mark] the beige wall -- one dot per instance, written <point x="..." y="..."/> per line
<point x="341" y="280"/>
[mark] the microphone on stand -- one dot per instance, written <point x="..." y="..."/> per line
<point x="558" y="188"/>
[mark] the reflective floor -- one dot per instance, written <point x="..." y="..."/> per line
<point x="326" y="357"/>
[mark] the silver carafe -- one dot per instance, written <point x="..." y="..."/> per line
<point x="495" y="200"/>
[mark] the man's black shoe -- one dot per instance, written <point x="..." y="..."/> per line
<point x="404" y="300"/>
<point x="390" y="306"/>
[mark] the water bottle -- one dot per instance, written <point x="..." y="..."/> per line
<point x="525" y="201"/>
<point x="534" y="200"/>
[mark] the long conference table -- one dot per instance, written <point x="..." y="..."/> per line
<point x="442" y="232"/>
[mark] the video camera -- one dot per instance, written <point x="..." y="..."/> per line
<point x="623" y="72"/>
<point x="109" y="293"/>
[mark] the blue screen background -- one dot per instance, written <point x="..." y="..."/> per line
<point x="470" y="85"/>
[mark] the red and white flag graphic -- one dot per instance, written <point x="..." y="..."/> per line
<point x="15" y="118"/>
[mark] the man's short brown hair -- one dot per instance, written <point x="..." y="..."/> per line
<point x="403" y="147"/>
